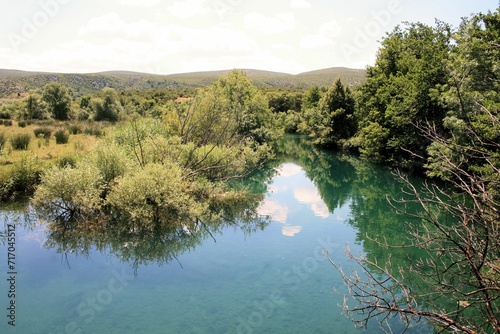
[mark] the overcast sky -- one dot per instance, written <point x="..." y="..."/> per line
<point x="175" y="36"/>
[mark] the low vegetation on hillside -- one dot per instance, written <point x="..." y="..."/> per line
<point x="157" y="151"/>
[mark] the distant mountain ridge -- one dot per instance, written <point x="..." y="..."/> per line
<point x="19" y="82"/>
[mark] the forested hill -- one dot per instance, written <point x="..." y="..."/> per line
<point x="14" y="81"/>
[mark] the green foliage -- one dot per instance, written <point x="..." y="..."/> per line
<point x="398" y="93"/>
<point x="154" y="194"/>
<point x="74" y="129"/>
<point x="93" y="130"/>
<point x="111" y="160"/>
<point x="108" y="108"/>
<point x="36" y="107"/>
<point x="330" y="121"/>
<point x="62" y="137"/>
<point x="7" y="122"/>
<point x="229" y="109"/>
<point x="85" y="102"/>
<point x="4" y="114"/>
<point x="166" y="172"/>
<point x="283" y="102"/>
<point x="58" y="100"/>
<point x="472" y="97"/>
<point x="311" y="97"/>
<point x="69" y="192"/>
<point x="20" y="180"/>
<point x="21" y="124"/>
<point x="67" y="161"/>
<point x="20" y="141"/>
<point x="42" y="132"/>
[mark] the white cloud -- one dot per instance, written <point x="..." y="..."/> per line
<point x="291" y="231"/>
<point x="274" y="210"/>
<point x="325" y="36"/>
<point x="300" y="4"/>
<point x="315" y="42"/>
<point x="110" y="22"/>
<point x="270" y="25"/>
<point x="138" y="3"/>
<point x="331" y="28"/>
<point x="289" y="169"/>
<point x="188" y="8"/>
<point x="310" y="195"/>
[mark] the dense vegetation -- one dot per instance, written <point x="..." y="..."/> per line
<point x="19" y="82"/>
<point x="161" y="157"/>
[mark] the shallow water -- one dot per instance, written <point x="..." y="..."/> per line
<point x="275" y="280"/>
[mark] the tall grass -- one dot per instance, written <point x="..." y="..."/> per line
<point x="3" y="140"/>
<point x="20" y="141"/>
<point x="43" y="132"/>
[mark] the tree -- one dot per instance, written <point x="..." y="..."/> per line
<point x="311" y="97"/>
<point x="35" y="107"/>
<point x="107" y="108"/>
<point x="58" y="100"/>
<point x="398" y="91"/>
<point x="332" y="121"/>
<point x="283" y="102"/>
<point x="456" y="285"/>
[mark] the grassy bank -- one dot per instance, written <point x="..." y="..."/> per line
<point x="27" y="148"/>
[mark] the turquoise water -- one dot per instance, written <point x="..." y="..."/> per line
<point x="274" y="280"/>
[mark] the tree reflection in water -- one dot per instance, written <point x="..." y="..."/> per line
<point x="140" y="243"/>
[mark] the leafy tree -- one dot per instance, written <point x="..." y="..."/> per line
<point x="311" y="97"/>
<point x="456" y="284"/>
<point x="58" y="100"/>
<point x="107" y="108"/>
<point x="284" y="102"/>
<point x="332" y="121"/>
<point x="36" y="107"/>
<point x="398" y="92"/>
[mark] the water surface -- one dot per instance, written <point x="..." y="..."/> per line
<point x="231" y="280"/>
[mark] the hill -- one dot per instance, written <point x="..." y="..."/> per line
<point x="20" y="82"/>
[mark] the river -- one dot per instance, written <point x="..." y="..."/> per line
<point x="269" y="276"/>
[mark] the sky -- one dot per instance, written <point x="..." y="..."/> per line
<point x="177" y="36"/>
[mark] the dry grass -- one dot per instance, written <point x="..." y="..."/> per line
<point x="41" y="148"/>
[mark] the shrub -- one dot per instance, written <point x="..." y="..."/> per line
<point x="20" y="180"/>
<point x="68" y="192"/>
<point x="74" y="129"/>
<point x="155" y="194"/>
<point x="21" y="124"/>
<point x="66" y="161"/>
<point x="93" y="132"/>
<point x="62" y="137"/>
<point x="4" y="114"/>
<point x="43" y="132"/>
<point x="20" y="141"/>
<point x="7" y="122"/>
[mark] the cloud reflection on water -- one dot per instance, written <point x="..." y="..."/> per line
<point x="280" y="208"/>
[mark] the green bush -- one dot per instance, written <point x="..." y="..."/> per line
<point x="4" y="115"/>
<point x="21" y="124"/>
<point x="91" y="131"/>
<point x="66" y="161"/>
<point x="62" y="137"/>
<point x="74" y="129"/>
<point x="7" y="122"/>
<point x="21" y="180"/>
<point x="43" y="132"/>
<point x="20" y="141"/>
<point x="68" y="192"/>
